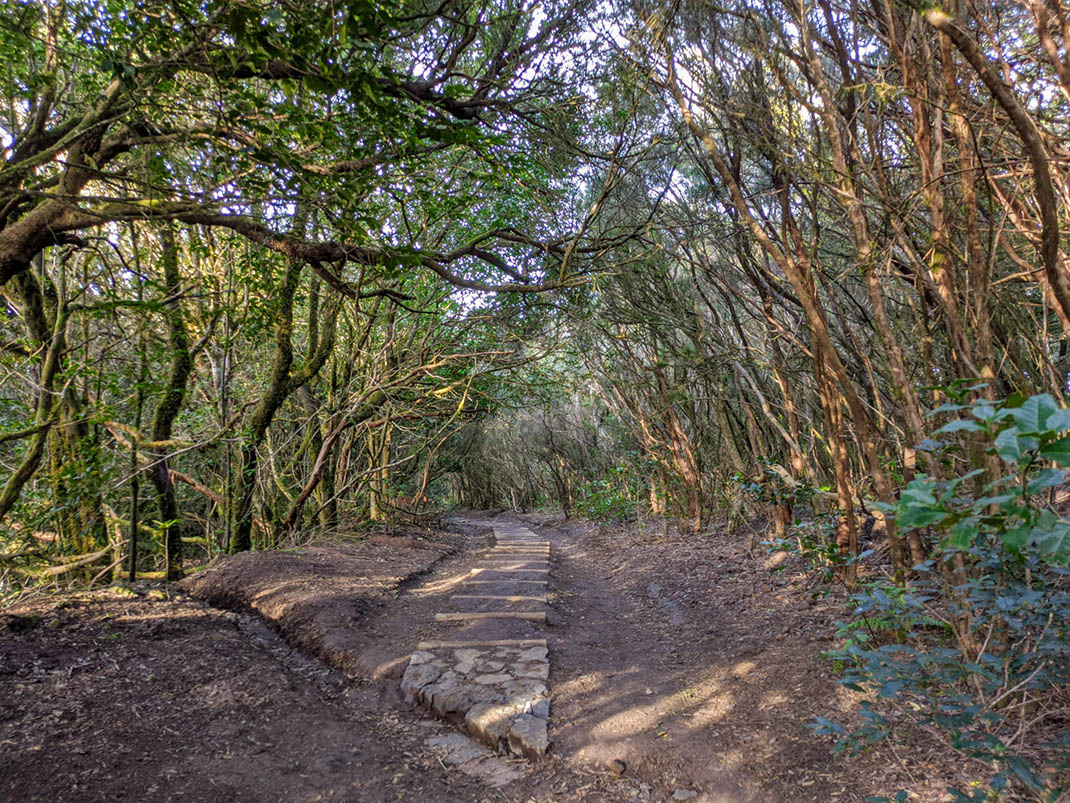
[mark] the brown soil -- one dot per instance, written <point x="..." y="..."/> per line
<point x="678" y="665"/>
<point x="696" y="663"/>
<point x="323" y="598"/>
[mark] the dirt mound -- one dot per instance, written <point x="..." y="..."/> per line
<point x="315" y="596"/>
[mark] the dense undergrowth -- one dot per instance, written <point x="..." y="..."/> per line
<point x="973" y="644"/>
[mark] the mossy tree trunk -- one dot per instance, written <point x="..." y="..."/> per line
<point x="71" y="449"/>
<point x="284" y="381"/>
<point x="169" y="406"/>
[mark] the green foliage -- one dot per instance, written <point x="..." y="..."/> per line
<point x="978" y="641"/>
<point x="1026" y="434"/>
<point x="611" y="497"/>
<point x="771" y="485"/>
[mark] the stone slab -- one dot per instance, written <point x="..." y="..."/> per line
<point x="534" y="616"/>
<point x="489" y="722"/>
<point x="457" y="748"/>
<point x="507" y="642"/>
<point x="416" y="677"/>
<point x="529" y="737"/>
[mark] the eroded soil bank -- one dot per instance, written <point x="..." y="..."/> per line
<point x="683" y="669"/>
<point x="150" y="694"/>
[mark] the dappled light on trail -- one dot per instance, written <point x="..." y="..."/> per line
<point x="717" y="704"/>
<point x="444" y="585"/>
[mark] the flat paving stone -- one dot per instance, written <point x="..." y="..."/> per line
<point x="534" y="616"/>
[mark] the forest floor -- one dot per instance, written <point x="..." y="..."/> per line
<point x="683" y="668"/>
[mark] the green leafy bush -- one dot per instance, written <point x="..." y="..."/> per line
<point x="976" y="643"/>
<point x="773" y="485"/>
<point x="608" y="498"/>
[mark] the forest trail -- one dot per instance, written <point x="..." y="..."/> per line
<point x="685" y="670"/>
<point x="278" y="277"/>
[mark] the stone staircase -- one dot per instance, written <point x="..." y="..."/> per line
<point x="491" y="670"/>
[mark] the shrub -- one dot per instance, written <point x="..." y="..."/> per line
<point x="608" y="498"/>
<point x="976" y="643"/>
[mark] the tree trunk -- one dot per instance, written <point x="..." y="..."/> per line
<point x="169" y="406"/>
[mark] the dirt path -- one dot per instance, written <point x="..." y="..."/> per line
<point x="694" y="666"/>
<point x="682" y="669"/>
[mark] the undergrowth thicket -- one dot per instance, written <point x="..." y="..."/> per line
<point x="974" y="643"/>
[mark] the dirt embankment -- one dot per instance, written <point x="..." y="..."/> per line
<point x="315" y="597"/>
<point x="147" y="694"/>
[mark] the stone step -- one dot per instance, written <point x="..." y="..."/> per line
<point x="538" y="557"/>
<point x="543" y="569"/>
<point x="501" y="642"/>
<point x="518" y="575"/>
<point x="495" y="675"/>
<point x="511" y="555"/>
<point x="530" y="616"/>
<point x="503" y="590"/>
<point x="522" y="545"/>
<point x="512" y="564"/>
<point x="497" y="604"/>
